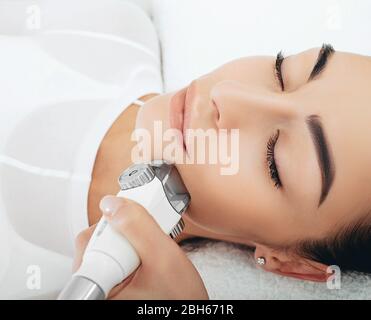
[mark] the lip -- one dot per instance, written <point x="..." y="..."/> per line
<point x="177" y="112"/>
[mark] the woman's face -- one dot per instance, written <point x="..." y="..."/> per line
<point x="322" y="152"/>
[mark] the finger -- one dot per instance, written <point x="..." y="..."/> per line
<point x="81" y="243"/>
<point x="138" y="226"/>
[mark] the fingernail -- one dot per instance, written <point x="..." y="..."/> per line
<point x="109" y="204"/>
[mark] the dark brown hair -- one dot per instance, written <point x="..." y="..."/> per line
<point x="349" y="249"/>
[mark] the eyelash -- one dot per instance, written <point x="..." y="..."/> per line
<point x="271" y="162"/>
<point x="278" y="70"/>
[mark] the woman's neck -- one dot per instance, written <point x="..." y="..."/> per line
<point x="113" y="156"/>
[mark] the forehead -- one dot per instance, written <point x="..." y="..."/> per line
<point x="342" y="97"/>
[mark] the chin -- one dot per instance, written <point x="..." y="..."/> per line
<point x="155" y="109"/>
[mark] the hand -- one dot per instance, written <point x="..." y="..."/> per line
<point x="165" y="271"/>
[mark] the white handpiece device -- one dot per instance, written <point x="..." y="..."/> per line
<point x="109" y="257"/>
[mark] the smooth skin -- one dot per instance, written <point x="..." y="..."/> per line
<point x="247" y="207"/>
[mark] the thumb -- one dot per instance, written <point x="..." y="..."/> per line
<point x="134" y="222"/>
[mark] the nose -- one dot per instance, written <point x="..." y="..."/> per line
<point x="240" y="104"/>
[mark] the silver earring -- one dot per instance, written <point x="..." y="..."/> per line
<point x="260" y="261"/>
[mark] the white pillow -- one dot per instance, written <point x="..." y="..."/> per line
<point x="198" y="36"/>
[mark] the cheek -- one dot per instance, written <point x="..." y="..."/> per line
<point x="240" y="205"/>
<point x="219" y="203"/>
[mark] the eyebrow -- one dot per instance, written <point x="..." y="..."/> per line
<point x="325" y="52"/>
<point x="324" y="156"/>
<point x="315" y="128"/>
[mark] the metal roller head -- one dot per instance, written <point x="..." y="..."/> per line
<point x="140" y="174"/>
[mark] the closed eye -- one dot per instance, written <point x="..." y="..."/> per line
<point x="271" y="161"/>
<point x="278" y="70"/>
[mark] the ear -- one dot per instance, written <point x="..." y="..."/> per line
<point x="290" y="265"/>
